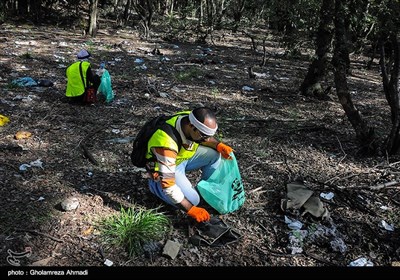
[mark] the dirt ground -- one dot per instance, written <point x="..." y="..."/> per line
<point x="278" y="136"/>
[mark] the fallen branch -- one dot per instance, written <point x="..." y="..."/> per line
<point x="337" y="178"/>
<point x="251" y="166"/>
<point x="86" y="152"/>
<point x="186" y="64"/>
<point x="384" y="185"/>
<point x="261" y="225"/>
<point x="273" y="253"/>
<point x="320" y="259"/>
<point x="341" y="147"/>
<point x="39" y="233"/>
<point x="265" y="120"/>
<point x="255" y="190"/>
<point x="88" y="155"/>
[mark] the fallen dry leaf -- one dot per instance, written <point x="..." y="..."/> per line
<point x="22" y="135"/>
<point x="88" y="231"/>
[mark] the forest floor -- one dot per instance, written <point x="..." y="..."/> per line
<point x="278" y="136"/>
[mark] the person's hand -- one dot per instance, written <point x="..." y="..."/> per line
<point x="199" y="214"/>
<point x="224" y="150"/>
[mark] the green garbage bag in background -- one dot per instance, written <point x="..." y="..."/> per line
<point x="105" y="87"/>
<point x="224" y="189"/>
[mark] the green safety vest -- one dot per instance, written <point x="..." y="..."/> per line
<point x="161" y="139"/>
<point x="75" y="86"/>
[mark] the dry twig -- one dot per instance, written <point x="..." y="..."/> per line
<point x="40" y="233"/>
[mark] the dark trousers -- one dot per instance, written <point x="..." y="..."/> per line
<point x="80" y="99"/>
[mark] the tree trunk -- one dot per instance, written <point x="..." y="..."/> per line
<point x="201" y="15"/>
<point x="391" y="89"/>
<point x="35" y="10"/>
<point x="311" y="85"/>
<point x="364" y="134"/>
<point x="92" y="31"/>
<point x="145" y="10"/>
<point x="238" y="9"/>
<point x="127" y="8"/>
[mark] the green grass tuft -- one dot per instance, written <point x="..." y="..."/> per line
<point x="133" y="228"/>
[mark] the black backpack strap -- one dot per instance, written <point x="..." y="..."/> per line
<point x="80" y="71"/>
<point x="173" y="133"/>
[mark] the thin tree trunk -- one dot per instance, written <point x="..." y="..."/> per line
<point x="364" y="134"/>
<point x="311" y="85"/>
<point x="126" y="12"/>
<point x="391" y="89"/>
<point x="92" y="31"/>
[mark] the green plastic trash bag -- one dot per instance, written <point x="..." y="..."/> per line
<point x="105" y="87"/>
<point x="224" y="190"/>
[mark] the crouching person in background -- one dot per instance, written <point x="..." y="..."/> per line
<point x="82" y="82"/>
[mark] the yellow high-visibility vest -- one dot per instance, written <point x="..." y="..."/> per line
<point x="75" y="86"/>
<point x="161" y="139"/>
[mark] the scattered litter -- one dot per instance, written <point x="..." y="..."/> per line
<point x="171" y="249"/>
<point x="164" y="58"/>
<point x="322" y="235"/>
<point x="247" y="88"/>
<point x="338" y="245"/>
<point x="299" y="195"/>
<point x="121" y="140"/>
<point x="3" y="120"/>
<point x="214" y="233"/>
<point x="45" y="83"/>
<point x="107" y="262"/>
<point x="296" y="241"/>
<point x="30" y="82"/>
<point x="385" y="225"/>
<point x="327" y="196"/>
<point x="25" y="82"/>
<point x="293" y="224"/>
<point x="315" y="207"/>
<point x="24" y="167"/>
<point x="151" y="249"/>
<point x="63" y="44"/>
<point x="84" y="188"/>
<point x="163" y="94"/>
<point x="59" y="58"/>
<point x="36" y="163"/>
<point x="361" y="262"/>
